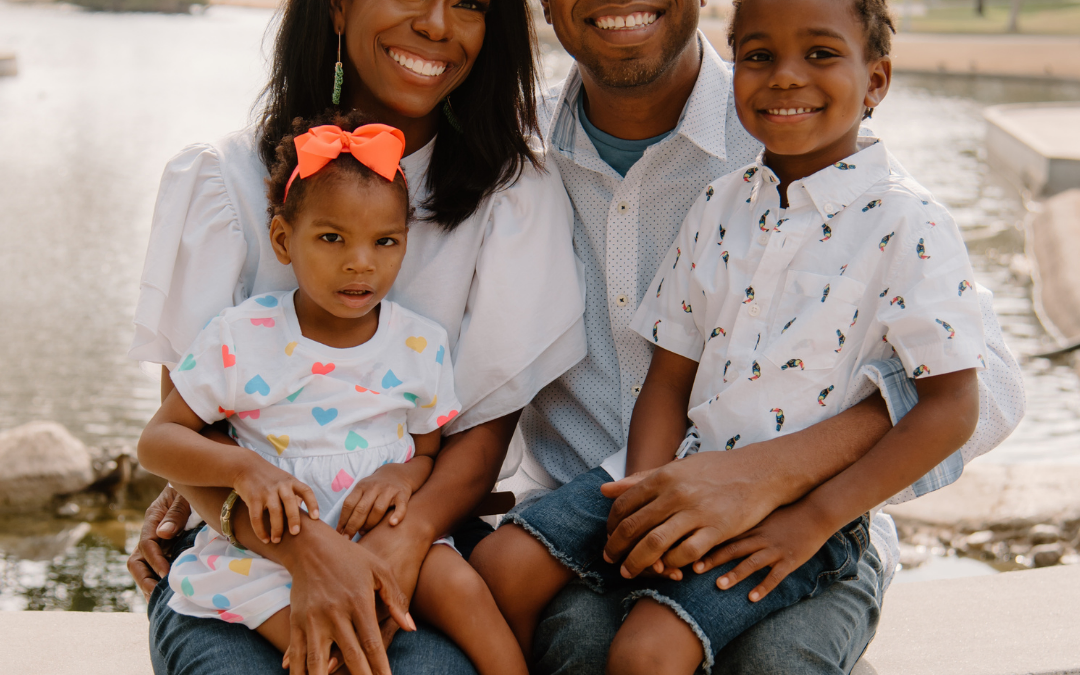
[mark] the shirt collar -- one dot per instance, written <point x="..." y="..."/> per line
<point x="703" y="120"/>
<point x="835" y="187"/>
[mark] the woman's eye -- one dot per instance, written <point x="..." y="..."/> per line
<point x="473" y="5"/>
<point x="331" y="237"/>
<point x="386" y="241"/>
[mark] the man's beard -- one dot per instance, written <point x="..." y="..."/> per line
<point x="637" y="72"/>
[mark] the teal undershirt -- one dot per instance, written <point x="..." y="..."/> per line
<point x="620" y="154"/>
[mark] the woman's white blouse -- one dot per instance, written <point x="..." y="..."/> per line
<point x="505" y="284"/>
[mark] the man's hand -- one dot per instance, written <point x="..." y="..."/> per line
<point x="165" y="518"/>
<point x="785" y="540"/>
<point x="701" y="501"/>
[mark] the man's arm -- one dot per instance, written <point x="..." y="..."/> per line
<point x="711" y="497"/>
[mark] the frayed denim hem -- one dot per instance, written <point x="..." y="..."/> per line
<point x="591" y="579"/>
<point x="706" y="645"/>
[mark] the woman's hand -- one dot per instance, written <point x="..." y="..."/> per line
<point x="702" y="501"/>
<point x="785" y="540"/>
<point x="334" y="587"/>
<point x="264" y="487"/>
<point x="165" y="518"/>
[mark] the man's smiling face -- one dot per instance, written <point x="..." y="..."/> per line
<point x="624" y="44"/>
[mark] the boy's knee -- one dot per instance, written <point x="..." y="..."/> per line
<point x="654" y="641"/>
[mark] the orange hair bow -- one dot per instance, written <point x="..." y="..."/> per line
<point x="377" y="146"/>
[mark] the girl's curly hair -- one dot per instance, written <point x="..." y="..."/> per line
<point x="344" y="166"/>
<point x="874" y="15"/>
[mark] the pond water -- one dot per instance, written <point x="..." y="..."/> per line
<point x="102" y="101"/>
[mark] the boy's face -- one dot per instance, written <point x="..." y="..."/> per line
<point x="802" y="80"/>
<point x="622" y="56"/>
<point x="345" y="245"/>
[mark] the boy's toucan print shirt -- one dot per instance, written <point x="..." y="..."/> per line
<point x="782" y="306"/>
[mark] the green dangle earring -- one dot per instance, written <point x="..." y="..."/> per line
<point x="339" y="74"/>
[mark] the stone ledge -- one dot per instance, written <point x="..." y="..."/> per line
<point x="1018" y="623"/>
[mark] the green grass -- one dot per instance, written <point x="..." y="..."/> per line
<point x="1062" y="18"/>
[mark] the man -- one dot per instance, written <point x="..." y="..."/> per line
<point x="642" y="123"/>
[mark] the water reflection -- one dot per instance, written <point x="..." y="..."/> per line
<point x="103" y="100"/>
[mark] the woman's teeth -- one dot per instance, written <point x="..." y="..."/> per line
<point x="418" y="65"/>
<point x="789" y="111"/>
<point x="635" y="20"/>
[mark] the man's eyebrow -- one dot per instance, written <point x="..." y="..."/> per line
<point x="760" y="35"/>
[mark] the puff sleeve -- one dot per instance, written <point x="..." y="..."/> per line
<point x="194" y="259"/>
<point x="523" y="324"/>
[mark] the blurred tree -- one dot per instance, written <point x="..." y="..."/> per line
<point x="1014" y="16"/>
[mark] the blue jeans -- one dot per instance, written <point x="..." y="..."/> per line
<point x="822" y="635"/>
<point x="184" y="645"/>
<point x="572" y="523"/>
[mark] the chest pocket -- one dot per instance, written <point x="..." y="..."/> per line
<point x="816" y="312"/>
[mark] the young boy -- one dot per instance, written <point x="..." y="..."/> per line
<point x="785" y="278"/>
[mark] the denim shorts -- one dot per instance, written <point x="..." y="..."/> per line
<point x="572" y="523"/>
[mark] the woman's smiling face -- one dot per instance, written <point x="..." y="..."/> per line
<point x="407" y="55"/>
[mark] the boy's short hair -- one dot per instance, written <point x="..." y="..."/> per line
<point x="875" y="18"/>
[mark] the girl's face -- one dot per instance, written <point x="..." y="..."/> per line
<point x="407" y="55"/>
<point x="802" y="80"/>
<point x="345" y="245"/>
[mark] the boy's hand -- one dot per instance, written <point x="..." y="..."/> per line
<point x="390" y="487"/>
<point x="264" y="487"/>
<point x="786" y="539"/>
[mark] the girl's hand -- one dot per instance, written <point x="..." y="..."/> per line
<point x="784" y="541"/>
<point x="264" y="487"/>
<point x="390" y="487"/>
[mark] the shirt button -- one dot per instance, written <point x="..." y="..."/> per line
<point x="623" y="207"/>
<point x="622" y="301"/>
<point x="754" y="310"/>
<point x="635" y="390"/>
<point x="830" y="207"/>
<point x="763" y="239"/>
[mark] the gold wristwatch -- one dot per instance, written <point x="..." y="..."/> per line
<point x="226" y="519"/>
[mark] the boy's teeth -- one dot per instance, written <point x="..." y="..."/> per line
<point x="631" y="22"/>
<point x="790" y="111"/>
<point x="419" y="66"/>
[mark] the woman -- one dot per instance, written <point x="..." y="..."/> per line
<point x="492" y="246"/>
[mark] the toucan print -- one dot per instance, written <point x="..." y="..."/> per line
<point x="724" y="257"/>
<point x="946" y="326"/>
<point x="788" y="325"/>
<point x="709" y="193"/>
<point x="920" y="371"/>
<point x="827" y="231"/>
<point x="844" y="166"/>
<point x="885" y="240"/>
<point x="761" y="223"/>
<point x="732" y="441"/>
<point x="920" y="248"/>
<point x="756" y="370"/>
<point x="824" y="395"/>
<point x="717" y="331"/>
<point x="686" y="308"/>
<point x="793" y="363"/>
<point x="842" y="339"/>
<point x="898" y="300"/>
<point x="658" y="287"/>
<point x="965" y="285"/>
<point x="749" y="295"/>
<point x="749" y="174"/>
<point x="825" y="293"/>
<point x="779" y="417"/>
<point x="854" y="319"/>
<point x="656" y="325"/>
<point x="872" y="205"/>
<point x="678" y="254"/>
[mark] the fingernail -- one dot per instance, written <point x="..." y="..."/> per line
<point x="315" y="514"/>
<point x="332" y="665"/>
<point x="723" y="582"/>
<point x="754" y="596"/>
<point x="393" y="521"/>
<point x="165" y="529"/>
<point x="698" y="567"/>
<point x="623" y="571"/>
<point x="608" y="559"/>
<point x="412" y="624"/>
<point x="295" y="529"/>
<point x="266" y="541"/>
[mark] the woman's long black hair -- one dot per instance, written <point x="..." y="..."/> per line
<point x="495" y="107"/>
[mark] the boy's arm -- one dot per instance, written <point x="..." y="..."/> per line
<point x="939" y="424"/>
<point x="658" y="424"/>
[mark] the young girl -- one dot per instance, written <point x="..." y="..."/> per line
<point x="325" y="388"/>
<point x="786" y="277"/>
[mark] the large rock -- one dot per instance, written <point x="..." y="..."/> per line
<point x="41" y="460"/>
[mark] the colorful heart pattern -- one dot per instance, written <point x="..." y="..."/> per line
<point x="390" y="380"/>
<point x="292" y="396"/>
<point x="341" y="481"/>
<point x="439" y="355"/>
<point x="188" y="364"/>
<point x="411" y="398"/>
<point x="364" y="389"/>
<point x="268" y="323"/>
<point x="212" y="562"/>
<point x="443" y="419"/>
<point x="267" y="301"/>
<point x="227" y="359"/>
<point x="354" y="440"/>
<point x="290" y="347"/>
<point x="230" y="617"/>
<point x="434" y="400"/>
<point x="280" y="443"/>
<point x="249" y="414"/>
<point x="220" y="601"/>
<point x="417" y="344"/>
<point x="322" y="368"/>
<point x="324" y="417"/>
<point x="257" y="385"/>
<point x="186" y="588"/>
<point x="241" y="566"/>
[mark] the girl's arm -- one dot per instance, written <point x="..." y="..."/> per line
<point x="172" y="447"/>
<point x="939" y="424"/>
<point x="658" y="424"/>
